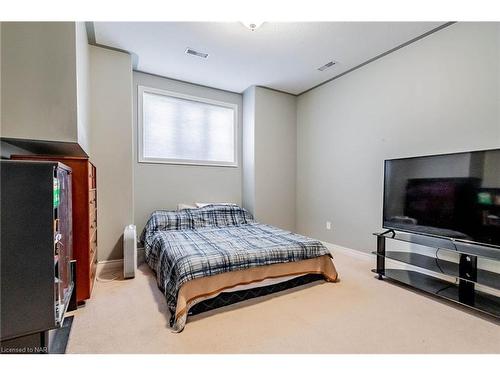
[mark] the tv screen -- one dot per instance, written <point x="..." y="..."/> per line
<point x="452" y="195"/>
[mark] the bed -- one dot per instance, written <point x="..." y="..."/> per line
<point x="200" y="253"/>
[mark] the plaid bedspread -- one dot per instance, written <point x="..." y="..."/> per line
<point x="180" y="247"/>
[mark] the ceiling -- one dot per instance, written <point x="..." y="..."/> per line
<point x="281" y="56"/>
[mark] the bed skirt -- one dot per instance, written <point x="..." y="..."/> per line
<point x="201" y="289"/>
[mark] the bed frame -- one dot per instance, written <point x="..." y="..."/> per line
<point x="230" y="298"/>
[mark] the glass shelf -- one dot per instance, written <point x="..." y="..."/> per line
<point x="486" y="278"/>
<point x="456" y="246"/>
<point x="484" y="302"/>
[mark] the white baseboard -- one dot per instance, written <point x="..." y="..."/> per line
<point x="113" y="264"/>
<point x="107" y="266"/>
<point x="346" y="250"/>
<point x="112" y="261"/>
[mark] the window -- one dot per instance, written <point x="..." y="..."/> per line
<point x="181" y="129"/>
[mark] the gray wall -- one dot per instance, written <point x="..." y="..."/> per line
<point x="111" y="146"/>
<point x="38" y="73"/>
<point x="45" y="82"/>
<point x="158" y="186"/>
<point x="270" y="145"/>
<point x="248" y="157"/>
<point x="82" y="85"/>
<point x="437" y="95"/>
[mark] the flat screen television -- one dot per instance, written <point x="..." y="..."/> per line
<point x="455" y="196"/>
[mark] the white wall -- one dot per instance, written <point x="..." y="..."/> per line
<point x="111" y="146"/>
<point x="159" y="186"/>
<point x="437" y="95"/>
<point x="270" y="145"/>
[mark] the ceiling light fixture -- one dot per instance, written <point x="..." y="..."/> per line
<point x="193" y="52"/>
<point x="326" y="66"/>
<point x="252" y="25"/>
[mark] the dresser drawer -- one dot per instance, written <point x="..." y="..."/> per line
<point x="93" y="198"/>
<point x="93" y="220"/>
<point x="92" y="207"/>
<point x="93" y="268"/>
<point x="93" y="247"/>
<point x="92" y="177"/>
<point x="93" y="259"/>
<point x="92" y="234"/>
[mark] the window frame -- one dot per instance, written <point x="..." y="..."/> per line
<point x="140" y="121"/>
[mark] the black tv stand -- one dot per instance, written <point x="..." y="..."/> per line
<point x="387" y="232"/>
<point x="473" y="287"/>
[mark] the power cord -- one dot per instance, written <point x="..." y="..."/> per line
<point x="436" y="257"/>
<point x="437" y="264"/>
<point x="448" y="286"/>
<point x="444" y="288"/>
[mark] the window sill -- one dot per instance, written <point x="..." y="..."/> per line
<point x="188" y="163"/>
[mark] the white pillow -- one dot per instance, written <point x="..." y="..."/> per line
<point x="199" y="205"/>
<point x="183" y="206"/>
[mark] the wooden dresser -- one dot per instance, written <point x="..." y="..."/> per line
<point x="84" y="192"/>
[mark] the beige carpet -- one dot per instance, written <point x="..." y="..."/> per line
<point x="359" y="314"/>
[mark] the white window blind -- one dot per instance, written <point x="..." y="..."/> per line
<point x="186" y="130"/>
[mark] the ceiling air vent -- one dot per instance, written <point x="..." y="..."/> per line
<point x="326" y="66"/>
<point x="193" y="52"/>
